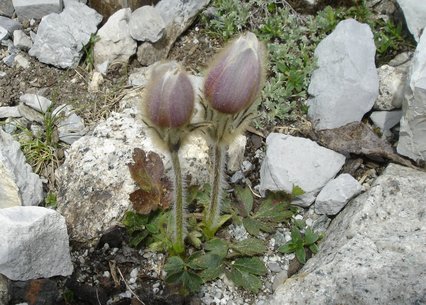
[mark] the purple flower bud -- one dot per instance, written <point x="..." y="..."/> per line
<point x="169" y="96"/>
<point x="235" y="78"/>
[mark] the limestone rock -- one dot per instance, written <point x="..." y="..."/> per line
<point x="293" y="161"/>
<point x="61" y="37"/>
<point x="36" y="9"/>
<point x="178" y="15"/>
<point x="412" y="135"/>
<point x="21" y="40"/>
<point x="373" y="250"/>
<point x="146" y="24"/>
<point x="115" y="45"/>
<point x="70" y="127"/>
<point x="94" y="181"/>
<point x="6" y="8"/>
<point x="9" y="24"/>
<point x="336" y="194"/>
<point x="392" y="83"/>
<point x="37" y="102"/>
<point x="109" y="7"/>
<point x="36" y="244"/>
<point x="415" y="16"/>
<point x="18" y="174"/>
<point x="3" y="34"/>
<point x="236" y="153"/>
<point x="9" y="112"/>
<point x="346" y="84"/>
<point x="385" y="120"/>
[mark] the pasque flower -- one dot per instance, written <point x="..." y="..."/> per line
<point x="168" y="106"/>
<point x="235" y="77"/>
<point x="169" y="99"/>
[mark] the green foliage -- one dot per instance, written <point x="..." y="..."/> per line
<point x="272" y="210"/>
<point x="291" y="42"/>
<point x="88" y="49"/>
<point x="51" y="200"/>
<point x="301" y="241"/>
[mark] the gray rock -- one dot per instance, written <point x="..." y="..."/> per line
<point x="146" y="24"/>
<point x="36" y="242"/>
<point x="6" y="8"/>
<point x="36" y="9"/>
<point x="373" y="252"/>
<point x="21" y="61"/>
<point x="115" y="45"/>
<point x="9" y="24"/>
<point x="71" y="127"/>
<point x="2" y="74"/>
<point x="95" y="172"/>
<point x="236" y="153"/>
<point x="138" y="77"/>
<point x="4" y="290"/>
<point x="8" y="189"/>
<point x="13" y="164"/>
<point x="61" y="37"/>
<point x="415" y="16"/>
<point x="346" y="84"/>
<point x="392" y="82"/>
<point x="3" y="33"/>
<point x="30" y="114"/>
<point x="336" y="194"/>
<point x="412" y="135"/>
<point x="293" y="161"/>
<point x="178" y="15"/>
<point x="36" y="102"/>
<point x="385" y="120"/>
<point x="9" y="112"/>
<point x="9" y="60"/>
<point x="21" y="40"/>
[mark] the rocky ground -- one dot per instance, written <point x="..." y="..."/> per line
<point x="86" y="179"/>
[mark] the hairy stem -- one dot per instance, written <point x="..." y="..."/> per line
<point x="178" y="209"/>
<point x="216" y="191"/>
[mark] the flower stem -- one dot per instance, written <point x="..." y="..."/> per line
<point x="178" y="209"/>
<point x="212" y="223"/>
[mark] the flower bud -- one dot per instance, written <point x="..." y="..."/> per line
<point x="235" y="78"/>
<point x="169" y="96"/>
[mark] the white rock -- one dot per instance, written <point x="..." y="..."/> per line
<point x="21" y="40"/>
<point x="373" y="252"/>
<point x="2" y="74"/>
<point x="37" y="102"/>
<point x="293" y="161"/>
<point x="9" y="24"/>
<point x="236" y="153"/>
<point x="21" y="61"/>
<point x="35" y="243"/>
<point x="115" y="45"/>
<point x="9" y="112"/>
<point x="336" y="194"/>
<point x="346" y="84"/>
<point x="36" y="9"/>
<point x="30" y="114"/>
<point x="95" y="82"/>
<point x="179" y="12"/>
<point x="415" y="16"/>
<point x="146" y="24"/>
<point x="95" y="172"/>
<point x="138" y="77"/>
<point x="9" y="191"/>
<point x="61" y="37"/>
<point x="71" y="127"/>
<point x="16" y="171"/>
<point x="385" y="120"/>
<point x="412" y="135"/>
<point x="392" y="82"/>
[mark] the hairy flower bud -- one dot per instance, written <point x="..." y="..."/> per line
<point x="169" y="96"/>
<point x="235" y="78"/>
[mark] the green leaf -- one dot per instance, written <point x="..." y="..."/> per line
<point x="194" y="238"/>
<point x="152" y="228"/>
<point x="252" y="226"/>
<point x="310" y="237"/>
<point x="217" y="246"/>
<point x="300" y="223"/>
<point x="137" y="238"/>
<point x="134" y="221"/>
<point x="204" y="261"/>
<point x="313" y="248"/>
<point x="275" y="212"/>
<point x="211" y="274"/>
<point x="251" y="265"/>
<point x="245" y="196"/>
<point x="191" y="281"/>
<point x="297" y="191"/>
<point x="245" y="280"/>
<point x="249" y="247"/>
<point x="296" y="236"/>
<point x="287" y="248"/>
<point x="174" y="264"/>
<point x="301" y="255"/>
